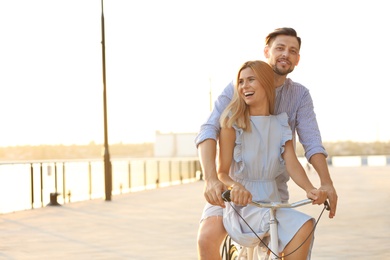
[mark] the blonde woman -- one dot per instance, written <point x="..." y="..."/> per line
<point x="255" y="147"/>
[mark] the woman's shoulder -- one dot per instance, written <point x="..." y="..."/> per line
<point x="282" y="123"/>
<point x="282" y="118"/>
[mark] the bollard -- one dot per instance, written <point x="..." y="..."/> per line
<point x="53" y="199"/>
<point x="199" y="175"/>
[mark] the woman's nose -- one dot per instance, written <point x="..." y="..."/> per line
<point x="244" y="84"/>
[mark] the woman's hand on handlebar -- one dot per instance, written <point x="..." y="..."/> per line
<point x="239" y="195"/>
<point x="318" y="196"/>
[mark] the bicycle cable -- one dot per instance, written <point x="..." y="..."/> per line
<point x="326" y="206"/>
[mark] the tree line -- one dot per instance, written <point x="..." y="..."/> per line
<point x="121" y="150"/>
<point x="70" y="152"/>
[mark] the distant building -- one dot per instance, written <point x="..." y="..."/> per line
<point x="175" y="145"/>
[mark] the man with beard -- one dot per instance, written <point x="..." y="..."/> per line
<point x="281" y="51"/>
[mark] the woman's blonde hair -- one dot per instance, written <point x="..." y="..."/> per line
<point x="237" y="112"/>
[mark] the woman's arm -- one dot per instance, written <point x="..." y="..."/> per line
<point x="239" y="195"/>
<point x="298" y="174"/>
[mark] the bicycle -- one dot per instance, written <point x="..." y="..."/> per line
<point x="234" y="251"/>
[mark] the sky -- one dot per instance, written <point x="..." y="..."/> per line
<point x="164" y="58"/>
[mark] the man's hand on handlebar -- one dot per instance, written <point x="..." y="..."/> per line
<point x="212" y="192"/>
<point x="332" y="197"/>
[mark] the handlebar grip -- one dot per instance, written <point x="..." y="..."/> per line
<point x="327" y="206"/>
<point x="226" y="196"/>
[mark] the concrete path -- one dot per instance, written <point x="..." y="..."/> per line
<point x="162" y="223"/>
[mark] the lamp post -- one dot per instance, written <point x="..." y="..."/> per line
<point x="106" y="153"/>
<point x="210" y="96"/>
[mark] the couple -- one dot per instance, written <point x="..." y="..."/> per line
<point x="256" y="120"/>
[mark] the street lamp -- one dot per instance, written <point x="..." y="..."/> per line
<point x="106" y="153"/>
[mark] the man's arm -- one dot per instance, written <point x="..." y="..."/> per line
<point x="213" y="187"/>
<point x="310" y="138"/>
<point x="210" y="128"/>
<point x="206" y="142"/>
<point x="320" y="164"/>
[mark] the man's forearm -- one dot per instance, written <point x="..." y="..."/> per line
<point x="207" y="156"/>
<point x="320" y="164"/>
<point x="318" y="160"/>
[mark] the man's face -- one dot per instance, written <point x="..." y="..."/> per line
<point x="283" y="54"/>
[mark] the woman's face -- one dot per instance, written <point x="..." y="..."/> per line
<point x="250" y="89"/>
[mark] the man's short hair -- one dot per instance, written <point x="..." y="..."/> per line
<point x="282" y="31"/>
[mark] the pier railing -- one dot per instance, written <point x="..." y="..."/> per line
<point x="29" y="185"/>
<point x="34" y="184"/>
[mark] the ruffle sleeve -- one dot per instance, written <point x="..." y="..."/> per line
<point x="237" y="156"/>
<point x="286" y="132"/>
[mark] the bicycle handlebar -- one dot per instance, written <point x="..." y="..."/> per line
<point x="226" y="197"/>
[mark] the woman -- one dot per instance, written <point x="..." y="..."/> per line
<point x="254" y="148"/>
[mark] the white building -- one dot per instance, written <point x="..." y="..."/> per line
<point x="175" y="145"/>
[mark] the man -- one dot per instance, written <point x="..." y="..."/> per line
<point x="281" y="51"/>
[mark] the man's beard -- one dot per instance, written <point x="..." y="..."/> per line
<point x="281" y="73"/>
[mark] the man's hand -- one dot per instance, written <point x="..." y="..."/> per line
<point x="332" y="197"/>
<point x="319" y="162"/>
<point x="213" y="189"/>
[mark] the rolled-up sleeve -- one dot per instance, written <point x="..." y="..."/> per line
<point x="307" y="128"/>
<point x="210" y="128"/>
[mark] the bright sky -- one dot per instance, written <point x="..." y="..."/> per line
<point x="163" y="57"/>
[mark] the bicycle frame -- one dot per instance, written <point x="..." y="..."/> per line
<point x="251" y="253"/>
<point x="273" y="222"/>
